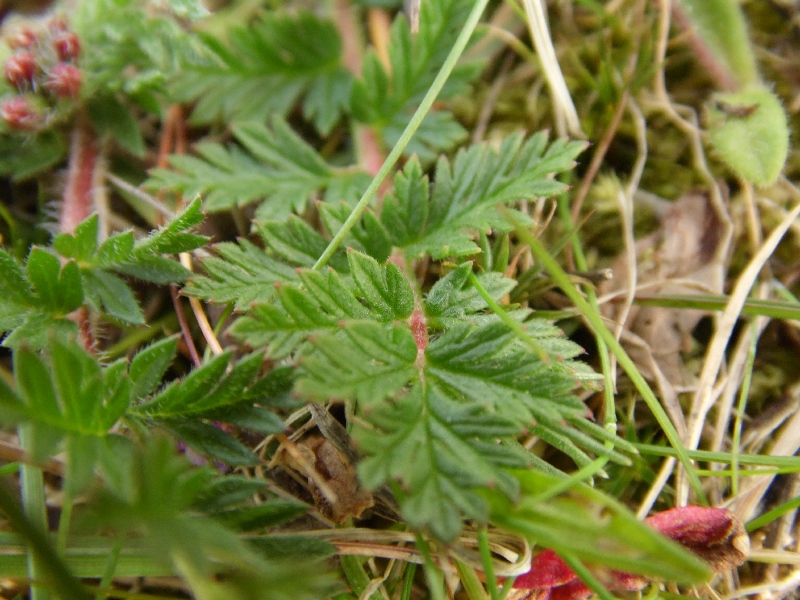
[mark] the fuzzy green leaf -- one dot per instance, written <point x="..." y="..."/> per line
<point x="325" y="303"/>
<point x="387" y="99"/>
<point x="58" y="289"/>
<point x="365" y="361"/>
<point x="210" y="441"/>
<point x="749" y="131"/>
<point x="110" y="293"/>
<point x="453" y="298"/>
<point x="272" y="164"/>
<point x="242" y="274"/>
<point x="288" y="54"/>
<point x="172" y="238"/>
<point x="441" y="220"/>
<point x="386" y="290"/>
<point x="149" y="365"/>
<point x="14" y="286"/>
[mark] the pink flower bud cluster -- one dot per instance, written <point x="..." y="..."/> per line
<point x="43" y="70"/>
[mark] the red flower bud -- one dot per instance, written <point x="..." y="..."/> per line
<point x="20" y="69"/>
<point x="22" y="38"/>
<point x="714" y="534"/>
<point x="64" y="80"/>
<point x="20" y="113"/>
<point x="67" y="45"/>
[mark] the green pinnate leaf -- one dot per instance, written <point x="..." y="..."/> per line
<point x="210" y="441"/>
<point x="296" y="242"/>
<point x="426" y="443"/>
<point x="290" y="54"/>
<point x="386" y="290"/>
<point x="443" y="220"/>
<point x="206" y="388"/>
<point x="405" y="210"/>
<point x="328" y="98"/>
<point x="116" y="249"/>
<point x="241" y="274"/>
<point x="365" y="361"/>
<point x="368" y="236"/>
<point x="177" y="395"/>
<point x="453" y="298"/>
<point x="387" y="99"/>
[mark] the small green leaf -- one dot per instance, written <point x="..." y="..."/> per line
<point x="58" y="288"/>
<point x="33" y="381"/>
<point x="113" y="294"/>
<point x="386" y="290"/>
<point x="268" y="514"/>
<point x="172" y="239"/>
<point x="14" y="284"/>
<point x="366" y="361"/>
<point x="149" y="365"/>
<point x="749" y="131"/>
<point x="12" y="409"/>
<point x="118" y="248"/>
<point x="108" y="115"/>
<point x="210" y="441"/>
<point x="79" y="385"/>
<point x="82" y="244"/>
<point x="242" y="274"/>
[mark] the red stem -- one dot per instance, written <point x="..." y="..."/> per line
<point x="78" y="199"/>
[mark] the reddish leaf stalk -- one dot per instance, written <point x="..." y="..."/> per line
<point x="84" y="173"/>
<point x="419" y="329"/>
<point x="84" y="159"/>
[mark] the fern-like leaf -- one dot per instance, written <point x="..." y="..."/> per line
<point x="288" y="55"/>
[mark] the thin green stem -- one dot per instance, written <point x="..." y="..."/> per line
<point x="408" y="581"/>
<point x="64" y="523"/>
<point x="595" y="320"/>
<point x="740" y="408"/>
<point x="46" y="560"/>
<point x="470" y="582"/>
<point x="9" y="469"/>
<point x="33" y="504"/>
<point x="506" y="587"/>
<point x="513" y="325"/>
<point x="433" y="575"/>
<point x="108" y="574"/>
<point x="488" y="566"/>
<point x="722" y="457"/>
<point x="408" y="133"/>
<point x="586" y="576"/>
<point x="775" y="513"/>
<point x="610" y="416"/>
